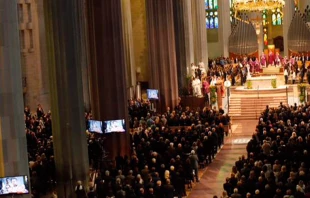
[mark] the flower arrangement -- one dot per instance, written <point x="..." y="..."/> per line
<point x="302" y="92"/>
<point x="249" y="84"/>
<point x="213" y="98"/>
<point x="274" y="83"/>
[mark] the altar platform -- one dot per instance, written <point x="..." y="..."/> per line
<point x="261" y="82"/>
<point x="272" y="70"/>
<point x="281" y="88"/>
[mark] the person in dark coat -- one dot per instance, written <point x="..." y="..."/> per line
<point x="236" y="194"/>
<point x="194" y="163"/>
<point x="168" y="189"/>
<point x="80" y="190"/>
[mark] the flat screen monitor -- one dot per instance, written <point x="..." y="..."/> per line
<point x="95" y="126"/>
<point x="152" y="94"/>
<point x="114" y="126"/>
<point x="14" y="185"/>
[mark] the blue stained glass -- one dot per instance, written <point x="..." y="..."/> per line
<point x="216" y="22"/>
<point x="211" y="23"/>
<point x="207" y="23"/>
<point x="211" y="7"/>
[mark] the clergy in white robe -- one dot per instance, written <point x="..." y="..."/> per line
<point x="196" y="87"/>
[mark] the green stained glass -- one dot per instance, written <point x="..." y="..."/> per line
<point x="215" y="5"/>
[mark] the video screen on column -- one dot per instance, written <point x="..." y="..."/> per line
<point x="95" y="126"/>
<point x="14" y="185"/>
<point x="152" y="94"/>
<point x="111" y="126"/>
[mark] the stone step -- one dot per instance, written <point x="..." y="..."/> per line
<point x="244" y="101"/>
<point x="262" y="93"/>
<point x="255" y="103"/>
<point x="244" y="118"/>
<point x="257" y="100"/>
<point x="247" y="108"/>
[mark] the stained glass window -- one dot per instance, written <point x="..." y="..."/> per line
<point x="211" y="7"/>
<point x="265" y="28"/>
<point x="276" y="17"/>
<point x="264" y="18"/>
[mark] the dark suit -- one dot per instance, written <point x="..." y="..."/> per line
<point x="168" y="191"/>
<point x="159" y="191"/>
<point x="228" y="187"/>
<point x="194" y="164"/>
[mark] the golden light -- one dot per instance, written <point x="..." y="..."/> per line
<point x="257" y="5"/>
<point x="254" y="9"/>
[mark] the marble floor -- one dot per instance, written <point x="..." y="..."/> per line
<point x="213" y="177"/>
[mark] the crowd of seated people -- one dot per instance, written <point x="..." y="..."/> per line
<point x="140" y="112"/>
<point x="278" y="161"/>
<point x="164" y="160"/>
<point x="38" y="129"/>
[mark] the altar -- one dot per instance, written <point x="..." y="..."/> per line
<point x="261" y="82"/>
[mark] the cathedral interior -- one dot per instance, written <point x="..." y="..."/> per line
<point x="154" y="98"/>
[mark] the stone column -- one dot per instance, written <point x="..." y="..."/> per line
<point x="65" y="57"/>
<point x="44" y="57"/>
<point x="288" y="13"/>
<point x="108" y="69"/>
<point x="128" y="43"/>
<point x="224" y="26"/>
<point x="13" y="146"/>
<point x="85" y="58"/>
<point x="162" y="52"/>
<point x="260" y="40"/>
<point x="183" y="39"/>
<point x="200" y="31"/>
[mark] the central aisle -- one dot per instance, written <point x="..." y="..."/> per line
<point x="212" y="180"/>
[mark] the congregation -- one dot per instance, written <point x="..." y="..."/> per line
<point x="167" y="151"/>
<point x="278" y="163"/>
<point x="169" y="148"/>
<point x="38" y="129"/>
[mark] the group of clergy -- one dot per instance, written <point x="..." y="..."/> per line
<point x="244" y="66"/>
<point x="197" y="73"/>
<point x="277" y="60"/>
